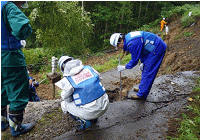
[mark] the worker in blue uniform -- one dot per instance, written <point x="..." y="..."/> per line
<point x="15" y="28"/>
<point x="33" y="84"/>
<point x="146" y="47"/>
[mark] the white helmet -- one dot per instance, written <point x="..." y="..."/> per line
<point x="163" y="18"/>
<point x="63" y="60"/>
<point x="114" y="39"/>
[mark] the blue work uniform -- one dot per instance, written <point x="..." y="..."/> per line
<point x="14" y="77"/>
<point x="32" y="91"/>
<point x="150" y="49"/>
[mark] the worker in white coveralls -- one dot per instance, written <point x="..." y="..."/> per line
<point x="147" y="47"/>
<point x="83" y="94"/>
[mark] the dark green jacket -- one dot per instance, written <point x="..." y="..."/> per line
<point x="18" y="25"/>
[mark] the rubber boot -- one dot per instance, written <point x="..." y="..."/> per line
<point x="4" y="120"/>
<point x="15" y="122"/>
<point x="86" y="124"/>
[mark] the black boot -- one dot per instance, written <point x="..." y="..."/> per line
<point x="4" y="120"/>
<point x="15" y="122"/>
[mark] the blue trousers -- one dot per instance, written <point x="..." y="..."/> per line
<point x="152" y="62"/>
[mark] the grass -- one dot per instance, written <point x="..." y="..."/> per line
<point x="187" y="34"/>
<point x="112" y="63"/>
<point x="189" y="121"/>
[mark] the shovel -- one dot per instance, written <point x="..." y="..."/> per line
<point x="120" y="86"/>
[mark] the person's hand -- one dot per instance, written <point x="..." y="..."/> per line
<point x="121" y="68"/>
<point x="35" y="83"/>
<point x="141" y="66"/>
<point x="23" y="43"/>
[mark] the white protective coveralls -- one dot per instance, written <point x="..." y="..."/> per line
<point x="92" y="110"/>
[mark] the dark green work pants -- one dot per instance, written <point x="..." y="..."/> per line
<point x="14" y="87"/>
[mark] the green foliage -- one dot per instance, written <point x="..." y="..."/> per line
<point x="64" y="27"/>
<point x="60" y="29"/>
<point x="151" y="27"/>
<point x="33" y="56"/>
<point x="182" y="11"/>
<point x="189" y="20"/>
<point x="197" y="87"/>
<point x="112" y="63"/>
<point x="61" y="26"/>
<point x="189" y="128"/>
<point x="187" y="34"/>
<point x="39" y="59"/>
<point x="190" y="123"/>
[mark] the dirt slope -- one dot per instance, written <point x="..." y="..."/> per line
<point x="183" y="52"/>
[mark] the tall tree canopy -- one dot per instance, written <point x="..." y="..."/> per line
<point x="85" y="26"/>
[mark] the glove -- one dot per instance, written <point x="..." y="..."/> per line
<point x="23" y="43"/>
<point x="141" y="66"/>
<point x="35" y="83"/>
<point x="121" y="68"/>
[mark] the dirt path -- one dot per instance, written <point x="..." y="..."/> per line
<point x="127" y="119"/>
<point x="134" y="119"/>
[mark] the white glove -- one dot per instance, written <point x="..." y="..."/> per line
<point x="121" y="68"/>
<point x="23" y="43"/>
<point x="141" y="66"/>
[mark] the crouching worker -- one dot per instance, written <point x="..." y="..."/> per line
<point x="33" y="84"/>
<point x="83" y="94"/>
<point x="147" y="47"/>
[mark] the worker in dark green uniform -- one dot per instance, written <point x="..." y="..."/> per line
<point x="15" y="28"/>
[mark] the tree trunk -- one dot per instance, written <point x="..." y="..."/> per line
<point x="146" y="11"/>
<point x="139" y="13"/>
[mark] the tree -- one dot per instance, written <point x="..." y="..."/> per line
<point x="59" y="25"/>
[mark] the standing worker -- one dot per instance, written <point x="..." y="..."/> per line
<point x="83" y="94"/>
<point x="15" y="28"/>
<point x="162" y="24"/>
<point x="147" y="47"/>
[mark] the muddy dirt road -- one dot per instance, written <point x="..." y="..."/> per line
<point x="141" y="119"/>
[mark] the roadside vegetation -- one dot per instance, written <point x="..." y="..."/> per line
<point x="38" y="58"/>
<point x="188" y="124"/>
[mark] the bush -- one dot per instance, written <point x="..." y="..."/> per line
<point x="188" y="20"/>
<point x="182" y="11"/>
<point x="36" y="58"/>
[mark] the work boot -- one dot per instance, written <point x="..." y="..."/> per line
<point x="136" y="89"/>
<point x="134" y="96"/>
<point x="86" y="124"/>
<point x="15" y="122"/>
<point x="4" y="120"/>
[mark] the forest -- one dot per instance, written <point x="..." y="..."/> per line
<point x="79" y="27"/>
<point x="82" y="28"/>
